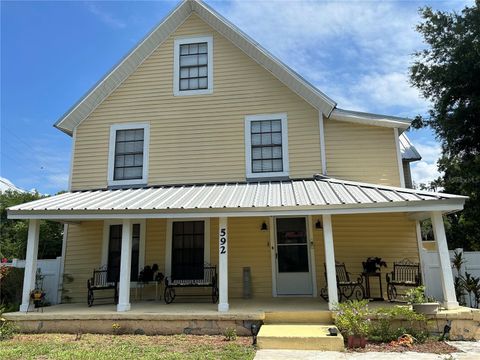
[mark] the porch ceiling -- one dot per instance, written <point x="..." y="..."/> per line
<point x="322" y="195"/>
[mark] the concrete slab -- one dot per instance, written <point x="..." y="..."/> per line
<point x="305" y="337"/>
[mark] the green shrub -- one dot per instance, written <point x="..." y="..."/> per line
<point x="7" y="328"/>
<point x="230" y="334"/>
<point x="353" y="318"/>
<point x="11" y="287"/>
<point x="391" y="323"/>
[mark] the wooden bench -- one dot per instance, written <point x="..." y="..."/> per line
<point x="209" y="281"/>
<point x="406" y="274"/>
<point x="99" y="281"/>
<point x="346" y="287"/>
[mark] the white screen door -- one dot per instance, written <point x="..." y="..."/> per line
<point x="292" y="254"/>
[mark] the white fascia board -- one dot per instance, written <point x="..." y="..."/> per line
<point x="370" y="119"/>
<point x="447" y="205"/>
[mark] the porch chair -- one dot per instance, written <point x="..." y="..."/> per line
<point x="99" y="281"/>
<point x="346" y="287"/>
<point x="209" y="280"/>
<point x="405" y="274"/>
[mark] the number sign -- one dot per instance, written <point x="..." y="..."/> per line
<point x="223" y="241"/>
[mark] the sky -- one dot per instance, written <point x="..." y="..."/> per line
<point x="357" y="52"/>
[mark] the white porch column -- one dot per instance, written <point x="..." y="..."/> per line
<point x="30" y="263"/>
<point x="223" y="264"/>
<point x="125" y="267"/>
<point x="330" y="262"/>
<point x="449" y="297"/>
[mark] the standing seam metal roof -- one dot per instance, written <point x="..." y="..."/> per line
<point x="267" y="194"/>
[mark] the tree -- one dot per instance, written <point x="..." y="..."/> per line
<point x="13" y="233"/>
<point x="447" y="72"/>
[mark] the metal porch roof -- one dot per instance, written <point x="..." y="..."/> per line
<point x="320" y="194"/>
<point x="409" y="152"/>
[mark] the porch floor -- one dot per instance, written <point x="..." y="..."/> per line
<point x="240" y="309"/>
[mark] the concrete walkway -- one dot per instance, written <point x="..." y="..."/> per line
<point x="468" y="350"/>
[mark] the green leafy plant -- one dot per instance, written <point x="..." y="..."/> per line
<point x="353" y="318"/>
<point x="391" y="323"/>
<point x="7" y="328"/>
<point x="471" y="285"/>
<point x="417" y="296"/>
<point x="230" y="334"/>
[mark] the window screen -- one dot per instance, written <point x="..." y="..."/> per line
<point x="266" y="140"/>
<point x="129" y="154"/>
<point x="193" y="66"/>
<point x="115" y="251"/>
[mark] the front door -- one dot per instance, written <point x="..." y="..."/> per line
<point x="292" y="254"/>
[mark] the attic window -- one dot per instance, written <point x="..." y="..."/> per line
<point x="193" y="66"/>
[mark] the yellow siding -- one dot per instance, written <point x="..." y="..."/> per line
<point x="357" y="237"/>
<point x="83" y="254"/>
<point x="361" y="152"/>
<point x="155" y="243"/>
<point x="196" y="138"/>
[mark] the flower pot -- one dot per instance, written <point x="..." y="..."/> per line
<point x="426" y="308"/>
<point x="354" y="341"/>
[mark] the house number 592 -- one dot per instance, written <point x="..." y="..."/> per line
<point x="223" y="241"/>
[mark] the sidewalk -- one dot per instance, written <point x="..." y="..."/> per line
<point x="467" y="350"/>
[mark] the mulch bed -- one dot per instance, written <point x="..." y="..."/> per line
<point x="429" y="346"/>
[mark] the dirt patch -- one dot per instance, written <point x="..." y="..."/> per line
<point x="429" y="346"/>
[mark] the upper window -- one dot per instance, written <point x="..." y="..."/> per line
<point x="266" y="143"/>
<point x="128" y="158"/>
<point x="193" y="66"/>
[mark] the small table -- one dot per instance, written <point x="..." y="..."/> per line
<point x="367" y="277"/>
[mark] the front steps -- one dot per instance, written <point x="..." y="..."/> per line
<point x="299" y="317"/>
<point x="298" y="337"/>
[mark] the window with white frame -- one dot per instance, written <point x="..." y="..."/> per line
<point x="128" y="154"/>
<point x="193" y="65"/>
<point x="266" y="145"/>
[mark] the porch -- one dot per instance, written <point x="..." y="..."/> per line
<point x="343" y="221"/>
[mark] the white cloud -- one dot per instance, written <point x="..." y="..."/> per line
<point x="105" y="17"/>
<point x="425" y="170"/>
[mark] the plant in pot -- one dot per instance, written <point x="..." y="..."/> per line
<point x="353" y="321"/>
<point x="422" y="304"/>
<point x="373" y="265"/>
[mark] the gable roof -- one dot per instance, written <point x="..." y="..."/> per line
<point x="101" y="90"/>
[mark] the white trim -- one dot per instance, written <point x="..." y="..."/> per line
<point x="30" y="263"/>
<point x="223" y="264"/>
<point x="446" y="276"/>
<point x="248" y="145"/>
<point x="323" y="154"/>
<point x="313" y="268"/>
<point x="125" y="267"/>
<point x="370" y="119"/>
<point x="330" y="262"/>
<point x="62" y="262"/>
<point x="111" y="153"/>
<point x="399" y="157"/>
<point x="168" y="242"/>
<point x="72" y="158"/>
<point x="176" y="64"/>
<point x="271" y="229"/>
<point x="141" y="245"/>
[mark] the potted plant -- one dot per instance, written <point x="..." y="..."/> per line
<point x="422" y="304"/>
<point x="373" y="264"/>
<point x="352" y="319"/>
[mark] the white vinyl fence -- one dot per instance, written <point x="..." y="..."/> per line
<point x="431" y="270"/>
<point x="50" y="270"/>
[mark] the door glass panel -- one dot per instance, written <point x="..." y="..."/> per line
<point x="115" y="252"/>
<point x="292" y="247"/>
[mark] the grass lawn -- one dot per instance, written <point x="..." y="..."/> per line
<point x="99" y="347"/>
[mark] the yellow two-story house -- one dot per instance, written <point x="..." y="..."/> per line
<point x="202" y="150"/>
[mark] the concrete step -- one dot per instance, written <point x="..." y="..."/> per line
<point x="299" y="317"/>
<point x="298" y="337"/>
